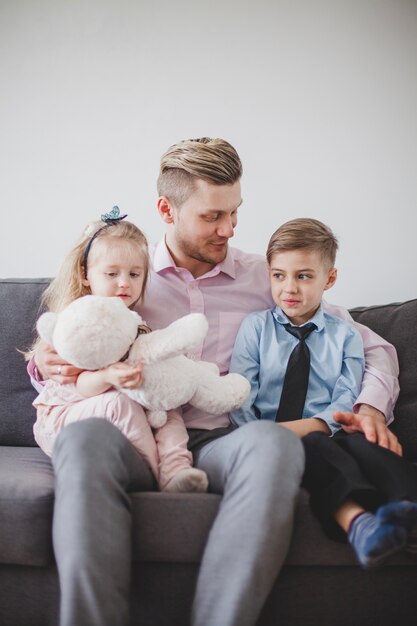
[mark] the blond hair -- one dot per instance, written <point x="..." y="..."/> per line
<point x="213" y="160"/>
<point x="68" y="283"/>
<point x="304" y="233"/>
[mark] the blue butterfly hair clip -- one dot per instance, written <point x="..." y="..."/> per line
<point x="110" y="218"/>
<point x="113" y="215"/>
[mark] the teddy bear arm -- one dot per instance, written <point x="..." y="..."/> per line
<point x="180" y="336"/>
<point x="210" y="367"/>
<point x="220" y="394"/>
<point x="45" y="326"/>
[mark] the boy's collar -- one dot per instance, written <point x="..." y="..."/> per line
<point x="317" y="319"/>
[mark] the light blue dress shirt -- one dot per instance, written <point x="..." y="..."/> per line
<point x="261" y="354"/>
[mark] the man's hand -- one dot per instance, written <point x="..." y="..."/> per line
<point x="50" y="365"/>
<point x="123" y="375"/>
<point x="371" y="423"/>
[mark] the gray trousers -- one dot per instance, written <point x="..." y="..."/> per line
<point x="257" y="468"/>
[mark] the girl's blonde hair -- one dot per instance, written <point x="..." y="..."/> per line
<point x="68" y="283"/>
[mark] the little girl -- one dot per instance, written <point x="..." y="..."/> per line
<point x="111" y="259"/>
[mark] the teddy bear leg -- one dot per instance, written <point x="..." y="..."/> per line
<point x="156" y="419"/>
<point x="188" y="479"/>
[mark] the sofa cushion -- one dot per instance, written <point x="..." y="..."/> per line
<point x="166" y="528"/>
<point x="18" y="313"/>
<point x="174" y="528"/>
<point x="26" y="503"/>
<point x="397" y="323"/>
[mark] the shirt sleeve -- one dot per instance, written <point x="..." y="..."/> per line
<point x="380" y="387"/>
<point x="348" y="384"/>
<point x="35" y="378"/>
<point x="245" y="361"/>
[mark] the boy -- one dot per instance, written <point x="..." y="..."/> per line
<point x="303" y="362"/>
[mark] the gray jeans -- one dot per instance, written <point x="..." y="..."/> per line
<point x="257" y="468"/>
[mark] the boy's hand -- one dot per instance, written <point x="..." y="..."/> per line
<point x="371" y="423"/>
<point x="50" y="365"/>
<point x="123" y="375"/>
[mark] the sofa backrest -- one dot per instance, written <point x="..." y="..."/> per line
<point x="397" y="323"/>
<point x="19" y="309"/>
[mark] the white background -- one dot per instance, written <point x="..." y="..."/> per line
<point x="318" y="97"/>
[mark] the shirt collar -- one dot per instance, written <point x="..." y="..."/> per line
<point x="317" y="319"/>
<point x="162" y="260"/>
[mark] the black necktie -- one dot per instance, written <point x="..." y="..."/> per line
<point x="295" y="385"/>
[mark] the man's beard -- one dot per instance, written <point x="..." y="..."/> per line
<point x="195" y="253"/>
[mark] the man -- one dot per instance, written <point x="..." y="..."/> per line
<point x="257" y="468"/>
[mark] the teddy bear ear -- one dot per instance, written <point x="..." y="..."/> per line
<point x="45" y="326"/>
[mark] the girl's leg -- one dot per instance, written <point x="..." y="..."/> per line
<point x="43" y="429"/>
<point x="175" y="469"/>
<point x="115" y="407"/>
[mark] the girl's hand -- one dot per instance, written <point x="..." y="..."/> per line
<point x="123" y="375"/>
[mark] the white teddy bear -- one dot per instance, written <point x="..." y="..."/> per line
<point x="94" y="331"/>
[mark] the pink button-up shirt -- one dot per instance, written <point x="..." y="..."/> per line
<point x="226" y="294"/>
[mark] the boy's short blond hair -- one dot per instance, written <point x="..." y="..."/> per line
<point x="213" y="160"/>
<point x="304" y="233"/>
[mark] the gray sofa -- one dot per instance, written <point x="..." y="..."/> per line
<point x="320" y="584"/>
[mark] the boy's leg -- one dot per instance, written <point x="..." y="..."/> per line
<point x="332" y="477"/>
<point x="392" y="475"/>
<point x="258" y="470"/>
<point x="341" y="498"/>
<point x="395" y="478"/>
<point x="95" y="466"/>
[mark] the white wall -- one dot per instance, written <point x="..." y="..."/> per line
<point x="318" y="97"/>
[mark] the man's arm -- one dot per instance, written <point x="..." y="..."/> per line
<point x="380" y="386"/>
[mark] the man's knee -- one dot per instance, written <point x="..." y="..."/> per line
<point x="272" y="447"/>
<point x="87" y="436"/>
<point x="269" y="434"/>
<point x="88" y="444"/>
<point x="93" y="451"/>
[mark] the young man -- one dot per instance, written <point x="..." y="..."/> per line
<point x="194" y="270"/>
